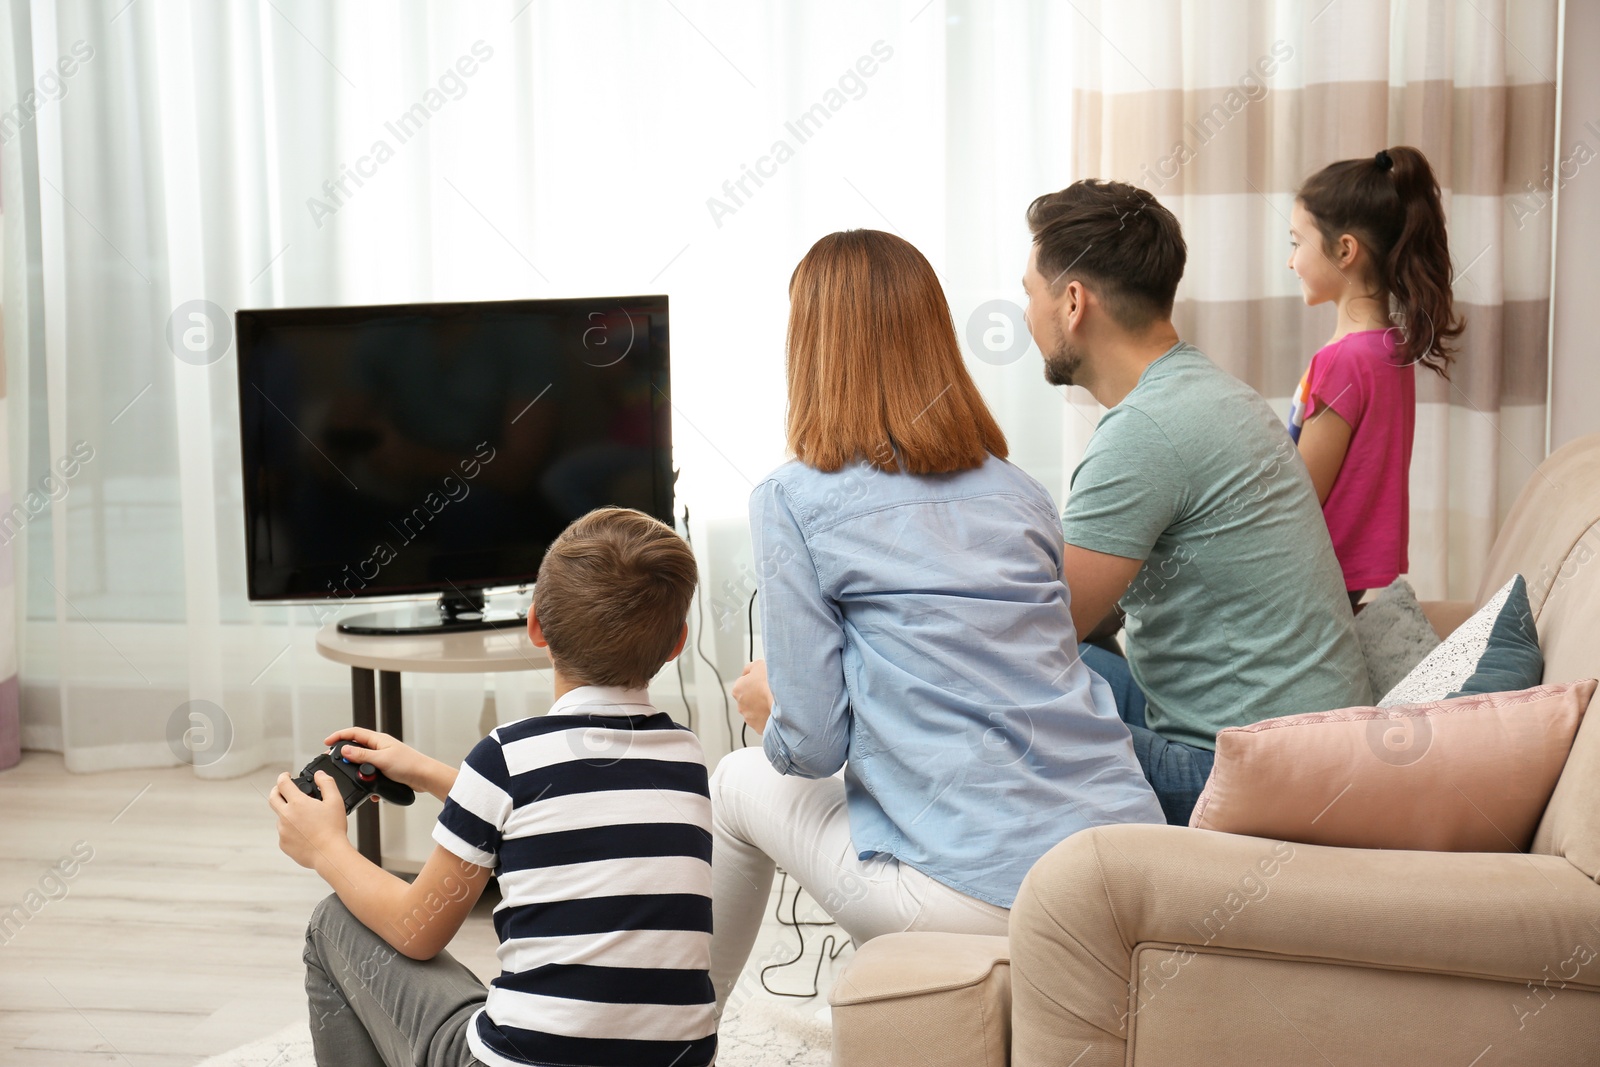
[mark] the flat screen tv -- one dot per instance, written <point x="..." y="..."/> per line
<point x="440" y="448"/>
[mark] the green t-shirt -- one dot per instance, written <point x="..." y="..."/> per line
<point x="1239" y="613"/>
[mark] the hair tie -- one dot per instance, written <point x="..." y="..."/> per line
<point x="1383" y="159"/>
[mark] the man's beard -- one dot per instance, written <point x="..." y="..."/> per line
<point x="1062" y="362"/>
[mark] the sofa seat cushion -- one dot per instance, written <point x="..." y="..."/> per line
<point x="1263" y="1009"/>
<point x="924" y="998"/>
<point x="1093" y="903"/>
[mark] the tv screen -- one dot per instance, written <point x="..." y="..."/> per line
<point x="441" y="447"/>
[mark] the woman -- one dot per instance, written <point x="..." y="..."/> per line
<point x="917" y="634"/>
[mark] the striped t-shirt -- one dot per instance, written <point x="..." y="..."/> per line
<point x="597" y="821"/>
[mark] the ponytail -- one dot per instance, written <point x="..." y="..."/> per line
<point x="1390" y="202"/>
<point x="1418" y="268"/>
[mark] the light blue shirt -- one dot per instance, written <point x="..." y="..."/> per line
<point x="917" y="633"/>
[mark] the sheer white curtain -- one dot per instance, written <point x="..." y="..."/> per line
<point x="255" y="154"/>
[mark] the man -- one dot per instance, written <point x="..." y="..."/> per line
<point x="1191" y="509"/>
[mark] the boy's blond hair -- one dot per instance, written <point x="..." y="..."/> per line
<point x="612" y="596"/>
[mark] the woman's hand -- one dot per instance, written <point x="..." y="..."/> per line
<point x="309" y="829"/>
<point x="398" y="760"/>
<point x="753" y="696"/>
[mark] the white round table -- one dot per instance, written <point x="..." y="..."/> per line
<point x="376" y="664"/>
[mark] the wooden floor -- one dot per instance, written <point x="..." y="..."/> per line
<point x="179" y="939"/>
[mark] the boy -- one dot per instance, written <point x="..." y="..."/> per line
<point x="596" y="820"/>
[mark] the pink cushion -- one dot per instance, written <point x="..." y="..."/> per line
<point x="1467" y="775"/>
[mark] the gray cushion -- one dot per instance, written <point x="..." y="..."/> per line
<point x="1395" y="635"/>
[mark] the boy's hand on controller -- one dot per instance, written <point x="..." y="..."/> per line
<point x="309" y="829"/>
<point x="396" y="759"/>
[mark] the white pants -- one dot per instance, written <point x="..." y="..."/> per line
<point x="760" y="818"/>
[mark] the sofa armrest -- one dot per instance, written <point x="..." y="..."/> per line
<point x="1090" y="902"/>
<point x="924" y="999"/>
<point x="1446" y="615"/>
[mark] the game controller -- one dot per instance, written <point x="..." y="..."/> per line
<point x="357" y="781"/>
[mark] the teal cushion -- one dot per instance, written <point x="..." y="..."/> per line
<point x="1495" y="651"/>
<point x="1511" y="661"/>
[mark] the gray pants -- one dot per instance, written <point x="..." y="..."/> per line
<point x="373" y="1007"/>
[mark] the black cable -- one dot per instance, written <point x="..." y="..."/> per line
<point x="683" y="694"/>
<point x="794" y="920"/>
<point x="700" y="629"/>
<point x="750" y="623"/>
<point x="750" y="628"/>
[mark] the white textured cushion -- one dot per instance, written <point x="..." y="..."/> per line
<point x="1449" y="666"/>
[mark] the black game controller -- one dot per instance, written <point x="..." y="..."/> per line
<point x="357" y="781"/>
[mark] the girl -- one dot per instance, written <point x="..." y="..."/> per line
<point x="1368" y="235"/>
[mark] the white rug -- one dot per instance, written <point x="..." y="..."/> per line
<point x="765" y="1034"/>
<point x="762" y="1029"/>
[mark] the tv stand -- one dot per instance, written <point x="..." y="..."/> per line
<point x="457" y="611"/>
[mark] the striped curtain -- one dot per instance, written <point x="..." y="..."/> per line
<point x="1223" y="107"/>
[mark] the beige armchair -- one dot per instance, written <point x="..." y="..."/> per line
<point x="1167" y="945"/>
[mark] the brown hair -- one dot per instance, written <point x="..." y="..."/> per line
<point x="612" y="596"/>
<point x="1117" y="240"/>
<point x="1390" y="203"/>
<point x="875" y="372"/>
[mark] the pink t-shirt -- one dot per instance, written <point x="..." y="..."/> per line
<point x="1373" y="387"/>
